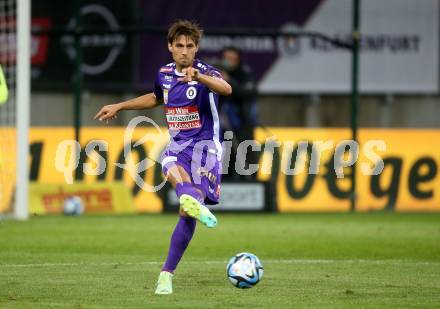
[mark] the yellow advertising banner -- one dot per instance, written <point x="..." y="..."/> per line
<point x="300" y="190"/>
<point x="397" y="169"/>
<point x="409" y="180"/>
<point x="98" y="197"/>
<point x="118" y="159"/>
<point x="8" y="166"/>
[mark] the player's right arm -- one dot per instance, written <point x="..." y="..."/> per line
<point x="147" y="101"/>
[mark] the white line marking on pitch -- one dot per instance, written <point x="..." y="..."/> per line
<point x="268" y="261"/>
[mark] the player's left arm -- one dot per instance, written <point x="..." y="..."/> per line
<point x="216" y="84"/>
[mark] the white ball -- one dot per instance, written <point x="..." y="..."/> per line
<point x="73" y="206"/>
<point x="244" y="270"/>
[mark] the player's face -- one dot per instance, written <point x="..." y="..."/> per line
<point x="183" y="51"/>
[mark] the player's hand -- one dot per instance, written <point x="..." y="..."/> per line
<point x="108" y="112"/>
<point x="191" y="74"/>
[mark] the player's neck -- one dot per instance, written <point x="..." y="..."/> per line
<point x="179" y="68"/>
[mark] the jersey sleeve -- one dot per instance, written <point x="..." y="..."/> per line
<point x="157" y="89"/>
<point x="213" y="72"/>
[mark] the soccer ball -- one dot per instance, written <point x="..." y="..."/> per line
<point x="244" y="270"/>
<point x="73" y="206"/>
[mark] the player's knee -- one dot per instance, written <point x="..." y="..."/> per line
<point x="177" y="174"/>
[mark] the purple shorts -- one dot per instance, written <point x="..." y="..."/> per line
<point x="201" y="164"/>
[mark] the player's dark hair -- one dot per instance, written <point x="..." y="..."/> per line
<point x="186" y="28"/>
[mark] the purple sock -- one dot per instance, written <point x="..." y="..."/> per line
<point x="188" y="188"/>
<point x="179" y="241"/>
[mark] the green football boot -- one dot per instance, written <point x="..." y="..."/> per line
<point x="196" y="210"/>
<point x="164" y="283"/>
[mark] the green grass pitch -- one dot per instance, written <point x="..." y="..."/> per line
<point x="380" y="260"/>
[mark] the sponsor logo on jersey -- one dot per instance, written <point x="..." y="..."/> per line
<point x="183" y="118"/>
<point x="167" y="86"/>
<point x="202" y="66"/>
<point x="191" y="92"/>
<point x="215" y="74"/>
<point x="203" y="172"/>
<point x="168" y="78"/>
<point x="166" y="70"/>
<point x="165" y="96"/>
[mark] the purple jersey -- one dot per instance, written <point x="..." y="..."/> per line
<point x="191" y="107"/>
<point x="193" y="122"/>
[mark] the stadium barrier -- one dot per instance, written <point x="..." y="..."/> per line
<point x="237" y="196"/>
<point x="97" y="197"/>
<point x="409" y="180"/>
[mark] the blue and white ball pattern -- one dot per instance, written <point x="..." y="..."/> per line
<point x="73" y="206"/>
<point x="244" y="270"/>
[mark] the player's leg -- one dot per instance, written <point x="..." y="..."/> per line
<point x="190" y="197"/>
<point x="210" y="181"/>
<point x="182" y="235"/>
<point x="184" y="229"/>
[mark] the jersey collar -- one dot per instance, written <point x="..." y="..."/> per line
<point x="178" y="73"/>
<point x="195" y="62"/>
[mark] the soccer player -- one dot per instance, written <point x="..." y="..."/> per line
<point x="189" y="90"/>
